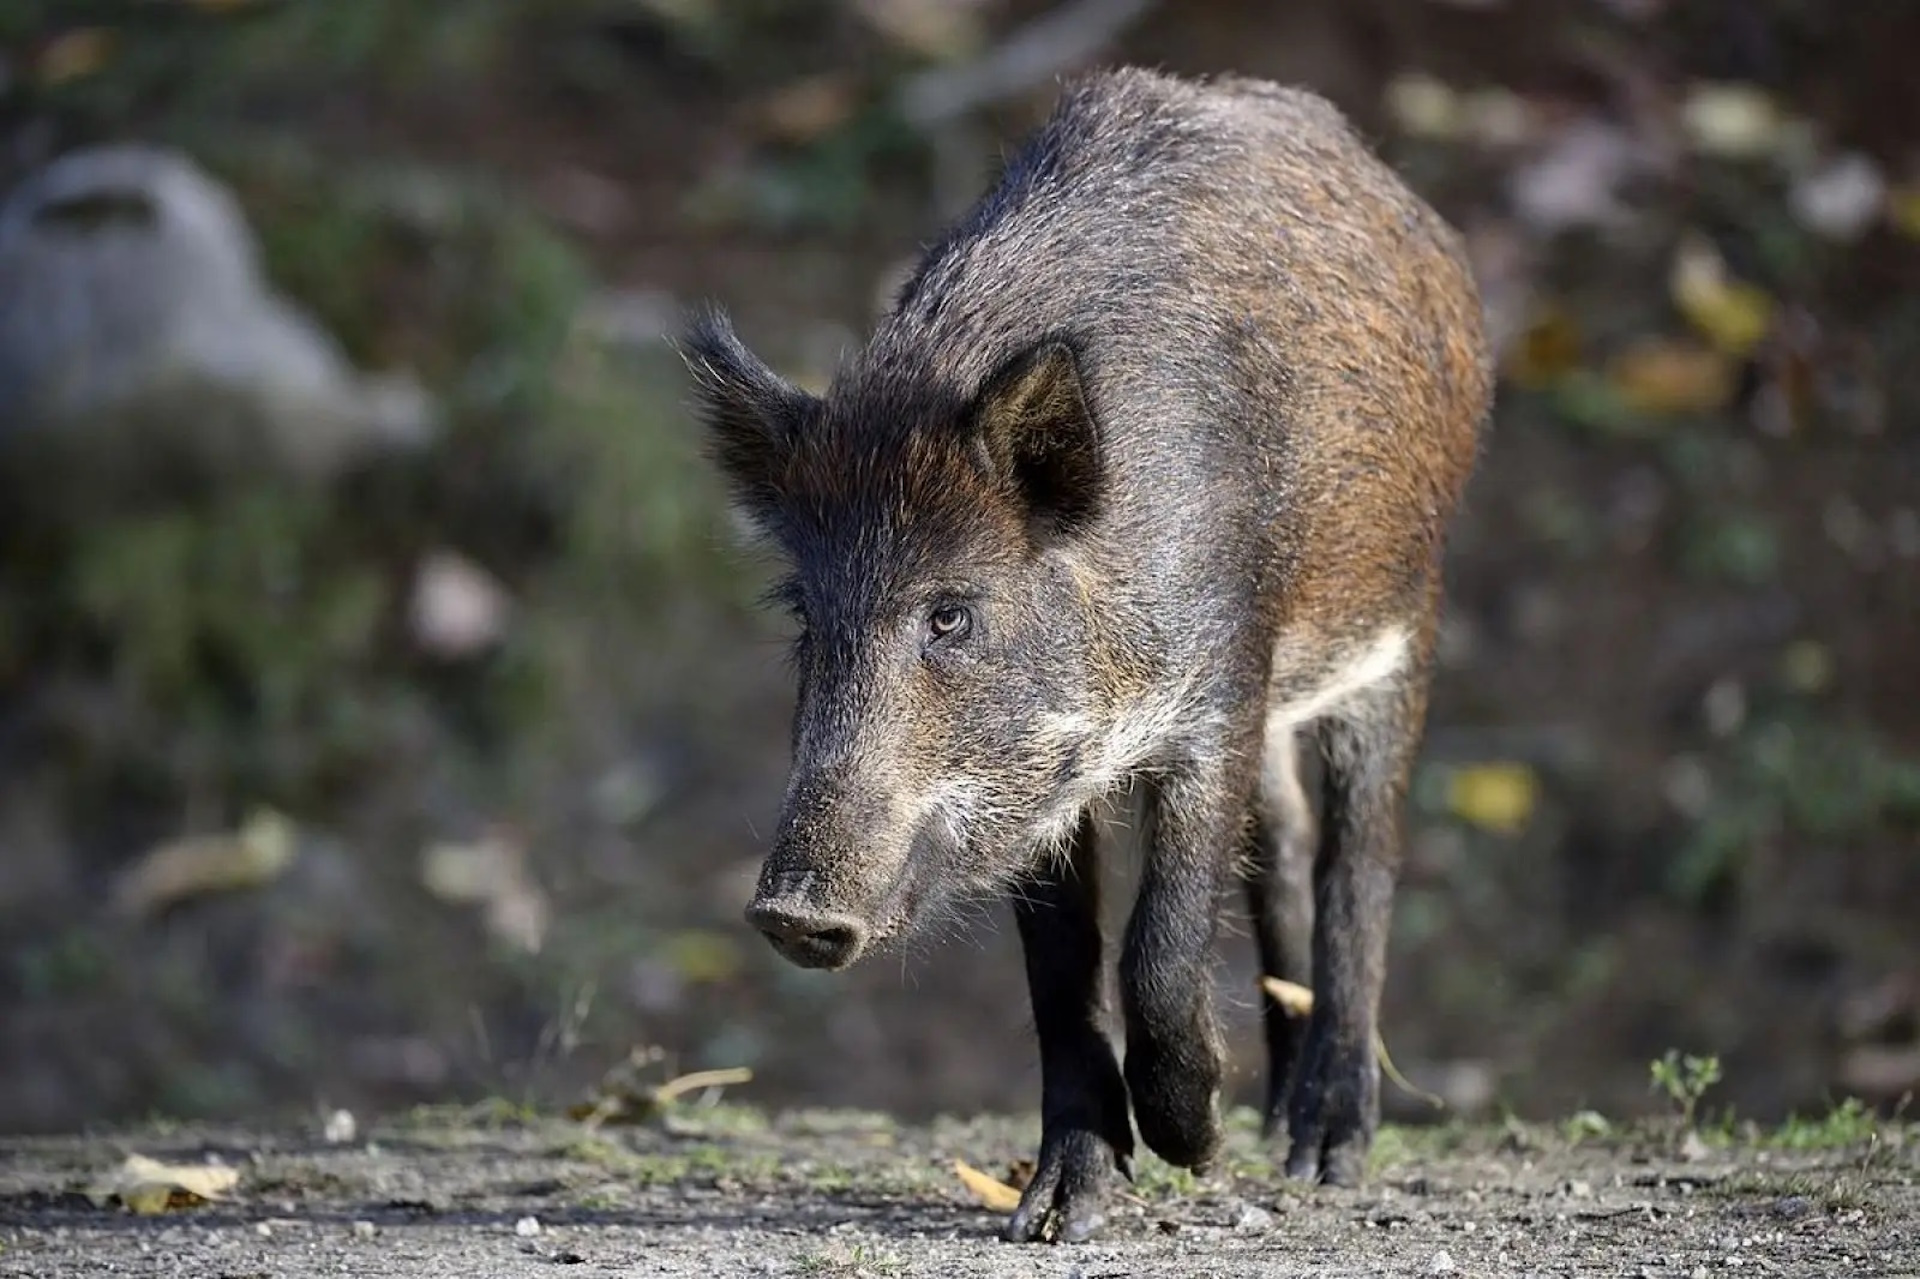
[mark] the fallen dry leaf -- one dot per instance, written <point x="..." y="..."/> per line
<point x="1497" y="797"/>
<point x="1807" y="666"/>
<point x="1903" y="209"/>
<point x="808" y="109"/>
<point x="199" y="865"/>
<point x="1294" y="998"/>
<point x="491" y="873"/>
<point x="937" y="29"/>
<point x="74" y="54"/>
<point x="1733" y="121"/>
<point x="147" y="1186"/>
<point x="1730" y="313"/>
<point x="1545" y="351"/>
<point x="1423" y="106"/>
<point x="993" y="1194"/>
<point x="1661" y="376"/>
<point x="1497" y="117"/>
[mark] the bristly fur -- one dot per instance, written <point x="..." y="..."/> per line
<point x="1142" y="483"/>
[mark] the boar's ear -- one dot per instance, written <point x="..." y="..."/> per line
<point x="1039" y="436"/>
<point x="752" y="415"/>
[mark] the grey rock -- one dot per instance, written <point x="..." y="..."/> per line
<point x="137" y="330"/>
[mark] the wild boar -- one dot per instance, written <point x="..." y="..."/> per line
<point x="1143" y="482"/>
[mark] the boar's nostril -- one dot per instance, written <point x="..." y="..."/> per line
<point x="810" y="939"/>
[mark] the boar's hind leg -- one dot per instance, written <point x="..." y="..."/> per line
<point x="1368" y="747"/>
<point x="1196" y="819"/>
<point x="1086" y="1137"/>
<point x="1279" y="882"/>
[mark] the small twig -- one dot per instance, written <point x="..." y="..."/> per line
<point x="701" y="1079"/>
<point x="1062" y="38"/>
<point x="1297" y="1001"/>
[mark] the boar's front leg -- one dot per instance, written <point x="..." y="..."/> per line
<point x="1196" y="816"/>
<point x="1086" y="1138"/>
<point x="1335" y="1106"/>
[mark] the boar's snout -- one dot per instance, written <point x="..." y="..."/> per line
<point x="801" y="931"/>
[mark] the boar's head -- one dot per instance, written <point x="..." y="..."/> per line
<point x="951" y="661"/>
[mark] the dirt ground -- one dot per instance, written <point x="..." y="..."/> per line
<point x="724" y="1192"/>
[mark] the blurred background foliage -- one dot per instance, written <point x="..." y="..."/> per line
<point x="447" y="775"/>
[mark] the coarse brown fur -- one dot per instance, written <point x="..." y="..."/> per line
<point x="1144" y="479"/>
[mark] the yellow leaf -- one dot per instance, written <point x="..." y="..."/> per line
<point x="702" y="955"/>
<point x="1736" y="121"/>
<point x="935" y="29"/>
<point x="995" y="1195"/>
<point x="147" y="1186"/>
<point x="1659" y="376"/>
<point x="810" y="108"/>
<point x="201" y="865"/>
<point x="73" y="54"/>
<point x="1423" y="106"/>
<point x="1903" y="209"/>
<point x="1495" y="797"/>
<point x="1730" y="313"/>
<point x="1546" y="350"/>
<point x="1295" y="999"/>
<point x="491" y="873"/>
<point x="1808" y="666"/>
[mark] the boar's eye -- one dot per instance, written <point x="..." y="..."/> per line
<point x="948" y="623"/>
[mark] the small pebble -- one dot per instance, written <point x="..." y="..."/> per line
<point x="1441" y="1264"/>
<point x="1253" y="1217"/>
<point x="527" y="1227"/>
<point x="263" y="1230"/>
<point x="340" y="1128"/>
<point x="363" y="1230"/>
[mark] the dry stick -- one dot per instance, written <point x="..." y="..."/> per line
<point x="1297" y="1001"/>
<point x="701" y="1079"/>
<point x="1059" y="39"/>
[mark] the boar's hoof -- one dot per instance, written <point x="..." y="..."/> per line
<point x="1066" y="1200"/>
<point x="1332" y="1162"/>
<point x="1331" y="1125"/>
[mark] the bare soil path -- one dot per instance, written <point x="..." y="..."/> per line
<point x="727" y="1192"/>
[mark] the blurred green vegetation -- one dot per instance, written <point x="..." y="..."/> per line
<point x="261" y="622"/>
<point x="172" y="668"/>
